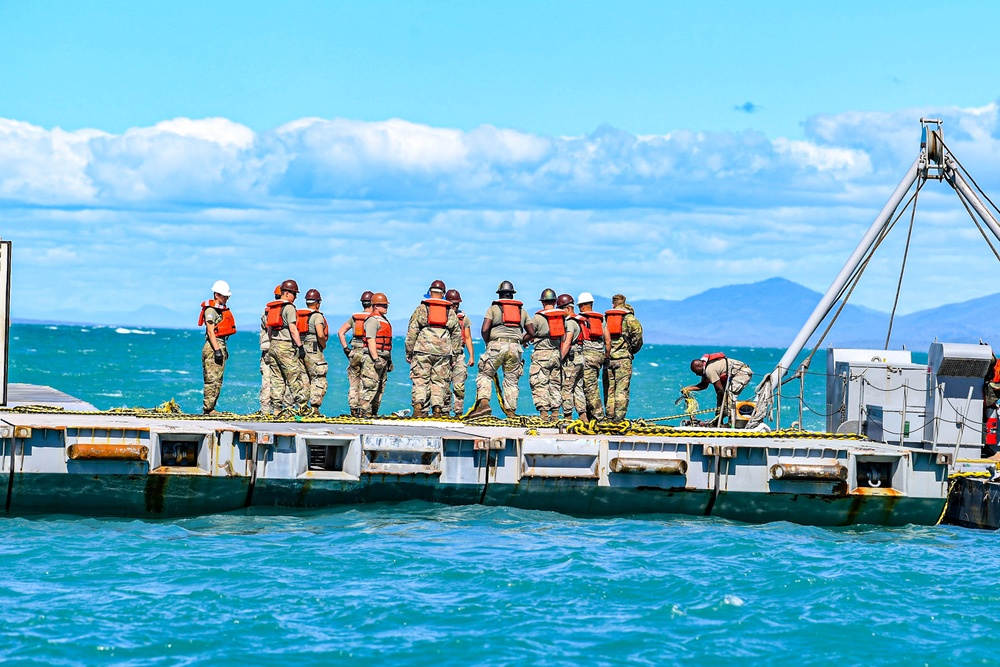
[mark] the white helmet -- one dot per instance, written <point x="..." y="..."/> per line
<point x="585" y="297"/>
<point x="221" y="287"/>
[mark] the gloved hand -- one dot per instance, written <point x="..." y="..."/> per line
<point x="347" y="351"/>
<point x="217" y="355"/>
<point x="300" y="352"/>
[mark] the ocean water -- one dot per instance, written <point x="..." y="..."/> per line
<point x="422" y="584"/>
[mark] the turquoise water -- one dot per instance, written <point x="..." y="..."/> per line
<point x="420" y="584"/>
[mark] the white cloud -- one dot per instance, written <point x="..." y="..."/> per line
<point x="339" y="201"/>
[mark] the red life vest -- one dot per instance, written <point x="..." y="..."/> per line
<point x="226" y="327"/>
<point x="359" y="324"/>
<point x="302" y="321"/>
<point x="594" y="325"/>
<point x="466" y="335"/>
<point x="383" y="337"/>
<point x="272" y="314"/>
<point x="556" y="319"/>
<point x="996" y="371"/>
<point x="615" y="318"/>
<point x="510" y="311"/>
<point x="437" y="311"/>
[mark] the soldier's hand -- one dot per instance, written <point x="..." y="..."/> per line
<point x="472" y="362"/>
<point x="300" y="352"/>
<point x="217" y="355"/>
<point x="409" y="359"/>
<point x="347" y="351"/>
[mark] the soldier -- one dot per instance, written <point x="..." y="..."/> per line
<point x="459" y="366"/>
<point x="286" y="349"/>
<point x="265" y="361"/>
<point x="571" y="353"/>
<point x="219" y="325"/>
<point x="626" y="339"/>
<point x="505" y="330"/>
<point x="377" y="357"/>
<point x="545" y="377"/>
<point x="596" y="349"/>
<point x="356" y="350"/>
<point x="314" y="332"/>
<point x="727" y="376"/>
<point x="431" y="338"/>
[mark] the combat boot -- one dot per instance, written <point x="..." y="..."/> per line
<point x="584" y="418"/>
<point x="436" y="411"/>
<point x="482" y="409"/>
<point x="418" y="410"/>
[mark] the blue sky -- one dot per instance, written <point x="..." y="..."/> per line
<point x="653" y="148"/>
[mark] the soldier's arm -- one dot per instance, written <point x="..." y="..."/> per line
<point x="322" y="335"/>
<point x="564" y="345"/>
<point x="698" y="387"/>
<point x="412" y="329"/>
<point x="212" y="339"/>
<point x="293" y="327"/>
<point x="467" y="336"/>
<point x="607" y="344"/>
<point x="342" y="333"/>
<point x="485" y="330"/>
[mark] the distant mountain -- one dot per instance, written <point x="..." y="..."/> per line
<point x="764" y="314"/>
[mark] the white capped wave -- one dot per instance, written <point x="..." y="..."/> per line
<point x="165" y="370"/>
<point x="113" y="394"/>
<point x="51" y="328"/>
<point x="654" y="364"/>
<point x="123" y="330"/>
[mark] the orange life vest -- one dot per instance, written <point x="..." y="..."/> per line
<point x="556" y="319"/>
<point x="466" y="335"/>
<point x="996" y="371"/>
<point x="510" y="311"/>
<point x="302" y="321"/>
<point x="272" y="314"/>
<point x="359" y="324"/>
<point x="615" y="318"/>
<point x="227" y="327"/>
<point x="594" y="325"/>
<point x="437" y="311"/>
<point x="383" y="337"/>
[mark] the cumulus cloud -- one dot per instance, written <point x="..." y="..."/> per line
<point x="186" y="201"/>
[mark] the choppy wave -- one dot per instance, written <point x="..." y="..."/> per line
<point x="123" y="330"/>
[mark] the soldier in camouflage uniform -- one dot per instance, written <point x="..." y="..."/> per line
<point x="545" y="376"/>
<point x="314" y="340"/>
<point x="356" y="350"/>
<point x="431" y="338"/>
<point x="596" y="349"/>
<point x="505" y="330"/>
<point x="727" y="376"/>
<point x="219" y="326"/>
<point x="626" y="340"/>
<point x="571" y="351"/>
<point x="377" y="359"/>
<point x="459" y="364"/>
<point x="286" y="349"/>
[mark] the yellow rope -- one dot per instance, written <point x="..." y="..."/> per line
<point x="635" y="427"/>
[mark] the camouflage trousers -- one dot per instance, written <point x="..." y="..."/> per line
<point x="286" y="372"/>
<point x="373" y="377"/>
<point x="459" y="374"/>
<point x="593" y="360"/>
<point x="316" y="369"/>
<point x="572" y="386"/>
<point x="617" y="379"/>
<point x="266" y="363"/>
<point x="735" y="385"/>
<point x="545" y="379"/>
<point x="431" y="378"/>
<point x="213" y="373"/>
<point x="506" y="354"/>
<point x="355" y="360"/>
